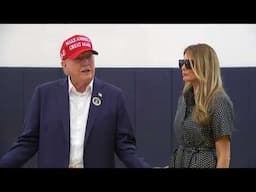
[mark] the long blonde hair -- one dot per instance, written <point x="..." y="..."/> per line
<point x="207" y="71"/>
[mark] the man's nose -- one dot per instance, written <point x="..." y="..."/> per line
<point x="85" y="61"/>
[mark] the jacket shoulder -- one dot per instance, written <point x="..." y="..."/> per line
<point x="53" y="83"/>
<point x="109" y="86"/>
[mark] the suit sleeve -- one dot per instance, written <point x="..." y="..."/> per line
<point x="126" y="141"/>
<point x="26" y="144"/>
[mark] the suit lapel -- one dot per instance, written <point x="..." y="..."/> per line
<point x="94" y="106"/>
<point x="64" y="107"/>
<point x="63" y="103"/>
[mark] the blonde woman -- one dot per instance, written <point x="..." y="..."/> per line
<point x="204" y="118"/>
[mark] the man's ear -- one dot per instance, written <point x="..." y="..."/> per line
<point x="64" y="67"/>
<point x="63" y="64"/>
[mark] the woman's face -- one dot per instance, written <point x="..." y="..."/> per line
<point x="187" y="74"/>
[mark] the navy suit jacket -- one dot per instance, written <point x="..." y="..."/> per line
<point x="47" y="130"/>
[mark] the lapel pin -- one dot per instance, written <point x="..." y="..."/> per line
<point x="100" y="94"/>
<point x="96" y="101"/>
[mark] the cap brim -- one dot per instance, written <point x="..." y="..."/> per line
<point x="76" y="54"/>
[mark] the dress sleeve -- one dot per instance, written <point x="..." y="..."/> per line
<point x="222" y="117"/>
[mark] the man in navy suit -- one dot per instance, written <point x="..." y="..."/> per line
<point x="76" y="122"/>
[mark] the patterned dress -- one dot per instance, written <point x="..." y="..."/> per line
<point x="195" y="143"/>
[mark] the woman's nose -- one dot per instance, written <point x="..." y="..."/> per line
<point x="183" y="68"/>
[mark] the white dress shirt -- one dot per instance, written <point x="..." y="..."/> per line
<point x="79" y="109"/>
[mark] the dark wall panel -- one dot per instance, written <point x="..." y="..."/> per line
<point x="11" y="110"/>
<point x="250" y="116"/>
<point x="237" y="84"/>
<point x="153" y="115"/>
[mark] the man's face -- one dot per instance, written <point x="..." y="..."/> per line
<point x="81" y="69"/>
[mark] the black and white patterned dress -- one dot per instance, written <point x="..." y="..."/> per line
<point x="195" y="143"/>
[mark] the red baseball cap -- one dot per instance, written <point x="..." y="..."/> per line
<point x="74" y="46"/>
